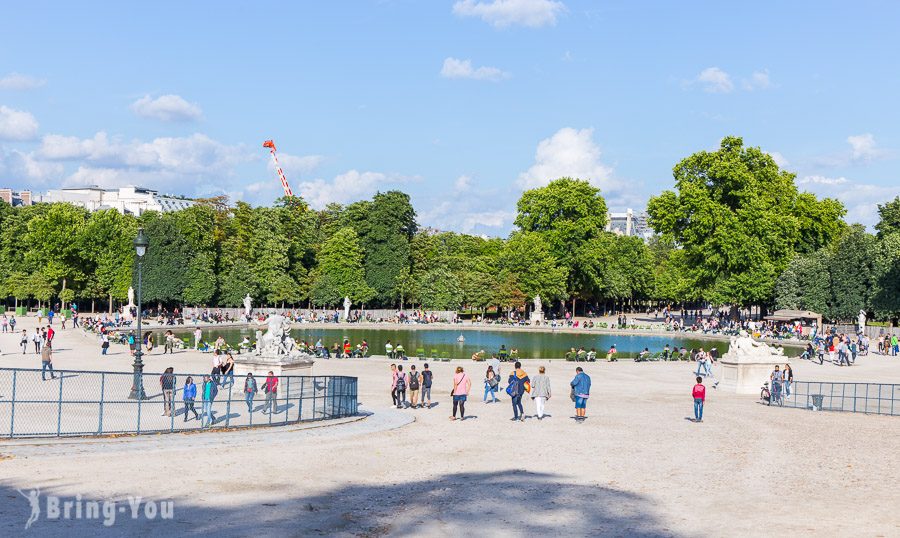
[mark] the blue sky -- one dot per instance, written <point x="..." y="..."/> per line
<point x="463" y="104"/>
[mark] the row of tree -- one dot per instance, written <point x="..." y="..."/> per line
<point x="735" y="230"/>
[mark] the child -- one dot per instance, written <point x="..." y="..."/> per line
<point x="699" y="396"/>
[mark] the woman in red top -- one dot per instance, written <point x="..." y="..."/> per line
<point x="271" y="389"/>
<point x="699" y="393"/>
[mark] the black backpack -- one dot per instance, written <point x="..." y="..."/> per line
<point x="414" y="381"/>
<point x="401" y="382"/>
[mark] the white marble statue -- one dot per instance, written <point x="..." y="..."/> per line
<point x="746" y="348"/>
<point x="862" y="320"/>
<point x="276" y="340"/>
<point x="537" y="315"/>
<point x="346" y="308"/>
<point x="130" y="296"/>
<point x="248" y="304"/>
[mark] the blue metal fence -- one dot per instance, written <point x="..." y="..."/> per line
<point x="34" y="404"/>
<point x="871" y="398"/>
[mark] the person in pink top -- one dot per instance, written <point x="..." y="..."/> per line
<point x="461" y="386"/>
<point x="699" y="393"/>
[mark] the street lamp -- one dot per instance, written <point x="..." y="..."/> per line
<point x="137" y="387"/>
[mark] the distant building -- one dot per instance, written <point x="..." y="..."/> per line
<point x="17" y="198"/>
<point x="125" y="200"/>
<point x="629" y="223"/>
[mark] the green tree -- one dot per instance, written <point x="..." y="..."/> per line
<point x="739" y="220"/>
<point x="237" y="282"/>
<point x="886" y="291"/>
<point x="439" y="289"/>
<point x="53" y="239"/>
<point x="567" y="213"/>
<point x="167" y="261"/>
<point x="851" y="267"/>
<point x="528" y="260"/>
<point x="340" y="272"/>
<point x="108" y="253"/>
<point x="509" y="295"/>
<point x="889" y="221"/>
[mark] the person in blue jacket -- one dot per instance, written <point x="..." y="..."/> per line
<point x="189" y="394"/>
<point x="210" y="390"/>
<point x="581" y="390"/>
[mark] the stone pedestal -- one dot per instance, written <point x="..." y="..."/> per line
<point x="745" y="377"/>
<point x="260" y="366"/>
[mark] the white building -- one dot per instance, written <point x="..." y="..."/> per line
<point x="133" y="200"/>
<point x="629" y="223"/>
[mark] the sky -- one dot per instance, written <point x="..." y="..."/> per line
<point x="463" y="104"/>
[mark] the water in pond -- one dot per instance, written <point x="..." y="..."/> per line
<point x="531" y="344"/>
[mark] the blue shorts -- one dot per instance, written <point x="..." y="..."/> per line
<point x="459" y="398"/>
<point x="580" y="403"/>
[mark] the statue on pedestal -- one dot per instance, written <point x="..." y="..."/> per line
<point x="538" y="314"/>
<point x="346" y="308"/>
<point x="862" y="321"/>
<point x="248" y="303"/>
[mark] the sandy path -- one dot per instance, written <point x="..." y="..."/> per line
<point x="636" y="467"/>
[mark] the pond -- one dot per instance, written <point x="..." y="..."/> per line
<point x="531" y="344"/>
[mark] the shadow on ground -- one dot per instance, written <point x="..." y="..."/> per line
<point x="509" y="503"/>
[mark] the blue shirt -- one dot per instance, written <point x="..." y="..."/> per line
<point x="581" y="384"/>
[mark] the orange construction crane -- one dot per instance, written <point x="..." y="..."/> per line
<point x="287" y="188"/>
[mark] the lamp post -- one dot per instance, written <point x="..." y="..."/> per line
<point x="137" y="387"/>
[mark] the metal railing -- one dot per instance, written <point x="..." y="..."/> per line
<point x="871" y="398"/>
<point x="96" y="403"/>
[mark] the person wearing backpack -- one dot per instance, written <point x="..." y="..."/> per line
<point x="517" y="385"/>
<point x="210" y="390"/>
<point x="414" y="383"/>
<point x="426" y="386"/>
<point x="250" y="390"/>
<point x="167" y="384"/>
<point x="400" y="387"/>
<point x="461" y="386"/>
<point x="394" y="384"/>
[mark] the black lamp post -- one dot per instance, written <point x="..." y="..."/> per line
<point x="137" y="387"/>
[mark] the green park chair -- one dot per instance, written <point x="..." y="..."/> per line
<point x="420" y="353"/>
<point x="445" y="357"/>
<point x="434" y="353"/>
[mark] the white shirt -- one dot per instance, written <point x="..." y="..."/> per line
<point x="215" y="360"/>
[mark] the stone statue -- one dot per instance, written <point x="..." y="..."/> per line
<point x="131" y="296"/>
<point x="537" y="315"/>
<point x="862" y="320"/>
<point x="346" y="308"/>
<point x="276" y="341"/>
<point x="743" y="348"/>
<point x="248" y="303"/>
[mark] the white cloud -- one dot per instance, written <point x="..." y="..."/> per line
<point x="296" y="165"/>
<point x="863" y="147"/>
<point x="24" y="167"/>
<point x="779" y="159"/>
<point x="822" y="180"/>
<point x="459" y="215"/>
<point x="195" y="154"/>
<point x="166" y="108"/>
<point x="504" y="13"/>
<point x="348" y="187"/>
<point x="455" y="68"/>
<point x="759" y="80"/>
<point x="17" y="124"/>
<point x="18" y="81"/>
<point x="569" y="152"/>
<point x="715" y="80"/>
<point x="462" y="184"/>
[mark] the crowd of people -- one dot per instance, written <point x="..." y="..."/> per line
<point x="519" y="384"/>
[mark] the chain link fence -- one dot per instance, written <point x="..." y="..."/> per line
<point x="71" y="402"/>
<point x="872" y="398"/>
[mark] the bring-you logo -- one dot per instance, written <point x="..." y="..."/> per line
<point x="54" y="508"/>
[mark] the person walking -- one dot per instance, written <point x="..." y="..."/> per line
<point x="250" y="390"/>
<point x="37" y="339"/>
<point x="170" y="343"/>
<point x="461" y="387"/>
<point x="414" y="385"/>
<point x="4" y="323"/>
<point x="777" y="378"/>
<point x="228" y="371"/>
<point x="47" y="362"/>
<point x="581" y="391"/>
<point x="401" y="387"/>
<point x="198" y="335"/>
<point x="210" y="390"/>
<point x="131" y="342"/>
<point x="540" y="392"/>
<point x="188" y="395"/>
<point x="216" y="372"/>
<point x="517" y="385"/>
<point x="788" y="375"/>
<point x="699" y="394"/>
<point x="491" y="383"/>
<point x="426" y="386"/>
<point x="167" y="384"/>
<point x="394" y="385"/>
<point x="270" y="387"/>
<point x="24" y="341"/>
<point x="104" y="343"/>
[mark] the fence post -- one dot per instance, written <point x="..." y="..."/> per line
<point x="140" y="398"/>
<point x="12" y="410"/>
<point x="59" y="406"/>
<point x="315" y="394"/>
<point x="287" y="400"/>
<point x="300" y="399"/>
<point x="102" y="390"/>
<point x="228" y="405"/>
<point x="172" y="404"/>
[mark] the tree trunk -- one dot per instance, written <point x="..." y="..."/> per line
<point x="61" y="292"/>
<point x="735" y="312"/>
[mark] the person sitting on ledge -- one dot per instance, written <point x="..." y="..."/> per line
<point x="478" y="356"/>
